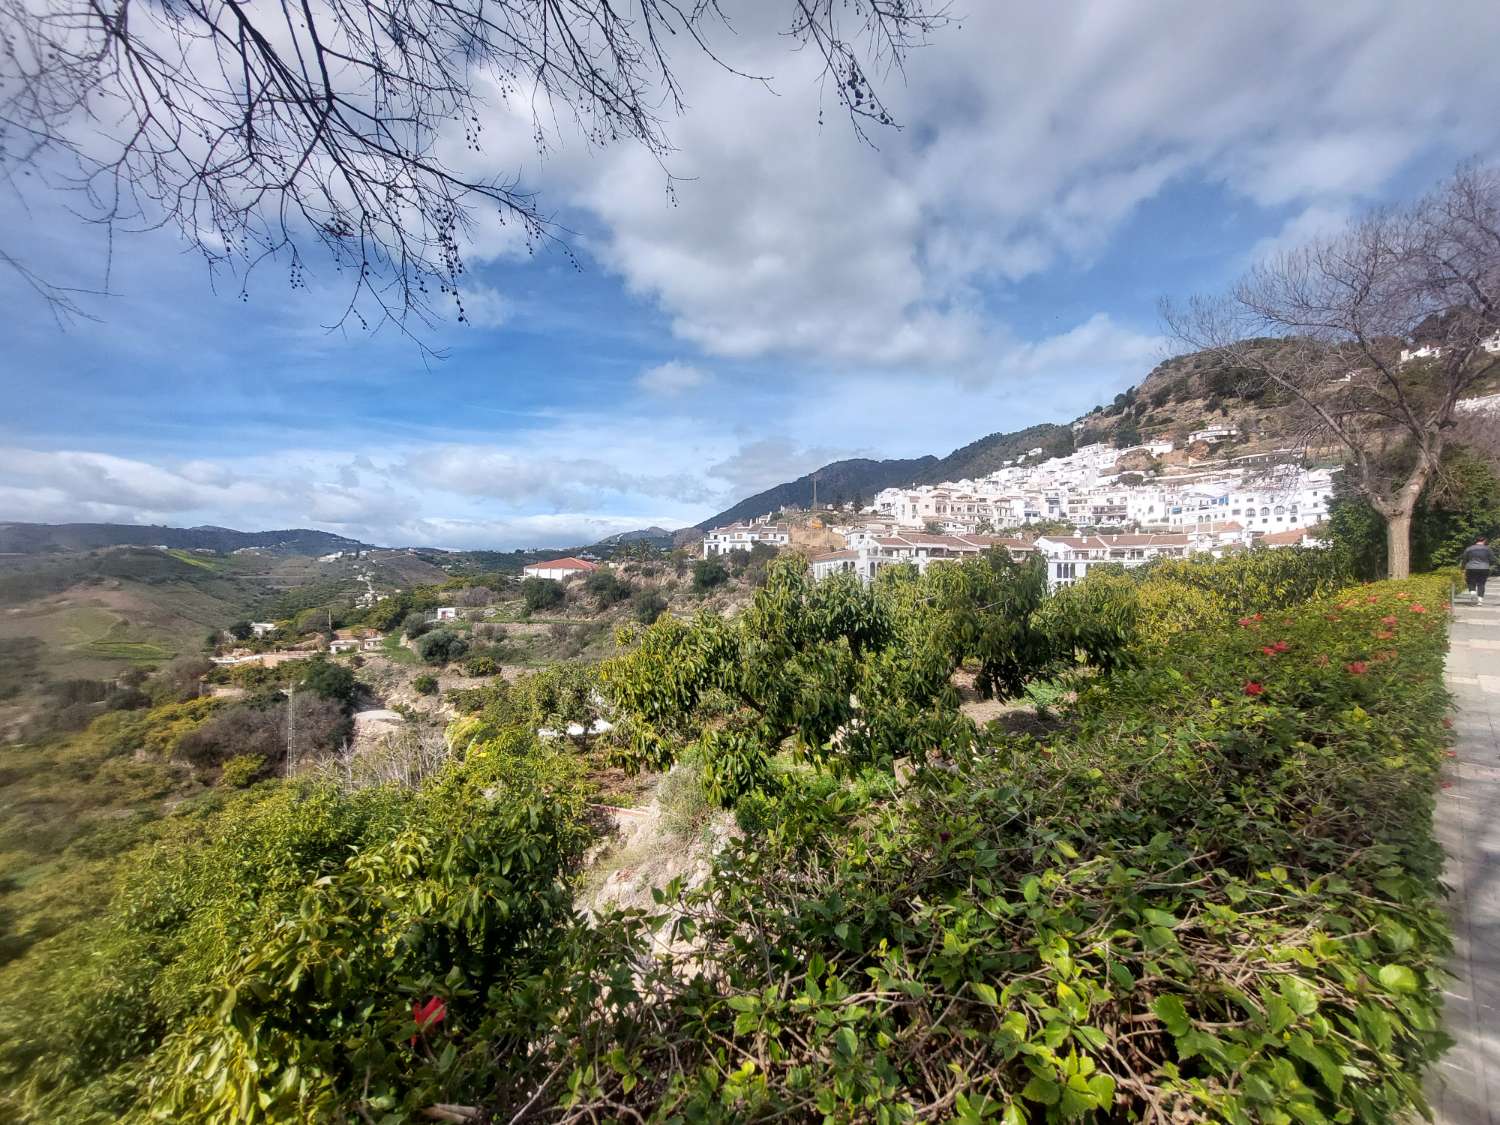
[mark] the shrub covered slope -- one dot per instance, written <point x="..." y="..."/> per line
<point x="1207" y="892"/>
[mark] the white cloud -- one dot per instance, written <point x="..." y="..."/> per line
<point x="671" y="378"/>
<point x="1031" y="135"/>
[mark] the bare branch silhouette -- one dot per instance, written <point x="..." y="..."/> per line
<point x="266" y="129"/>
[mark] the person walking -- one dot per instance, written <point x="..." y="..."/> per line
<point x="1477" y="562"/>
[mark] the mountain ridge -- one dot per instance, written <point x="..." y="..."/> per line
<point x="19" y="538"/>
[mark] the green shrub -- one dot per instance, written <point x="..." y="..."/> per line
<point x="709" y="574"/>
<point x="607" y="588"/>
<point x="425" y="684"/>
<point x="542" y="593"/>
<point x="442" y="646"/>
<point x="241" y="770"/>
<point x="481" y="665"/>
<point x="266" y="965"/>
<point x="648" y="605"/>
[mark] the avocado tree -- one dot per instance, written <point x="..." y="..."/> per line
<point x="835" y="673"/>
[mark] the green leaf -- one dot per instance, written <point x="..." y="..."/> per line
<point x="1041" y="1089"/>
<point x="1170" y="1010"/>
<point x="985" y="992"/>
<point x="845" y="1043"/>
<point x="1302" y="997"/>
<point x="1398" y="978"/>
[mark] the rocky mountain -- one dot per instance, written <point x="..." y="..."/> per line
<point x="44" y="538"/>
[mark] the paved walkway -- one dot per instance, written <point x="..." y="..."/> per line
<point x="1465" y="1086"/>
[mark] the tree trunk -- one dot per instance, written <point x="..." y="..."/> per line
<point x="1398" y="545"/>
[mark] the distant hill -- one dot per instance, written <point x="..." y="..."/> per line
<point x="841" y="482"/>
<point x="42" y="538"/>
<point x="658" y="537"/>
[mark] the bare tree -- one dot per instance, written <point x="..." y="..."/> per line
<point x="1378" y="332"/>
<point x="263" y="129"/>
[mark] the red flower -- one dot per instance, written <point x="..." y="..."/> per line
<point x="1358" y="667"/>
<point x="1281" y="646"/>
<point x="1268" y="650"/>
<point x="1253" y="688"/>
<point x="1372" y="599"/>
<point x="1389" y="619"/>
<point x="1415" y="608"/>
<point x="1402" y="595"/>
<point x="1248" y="622"/>
<point x="427" y="1013"/>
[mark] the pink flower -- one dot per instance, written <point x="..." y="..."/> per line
<point x="1415" y="608"/>
<point x="1253" y="688"/>
<point x="1268" y="650"/>
<point x="1281" y="646"/>
<point x="1358" y="667"/>
<point x="1389" y="619"/>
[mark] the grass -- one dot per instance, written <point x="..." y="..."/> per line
<point x="132" y="652"/>
<point x="392" y="648"/>
<point x="194" y="560"/>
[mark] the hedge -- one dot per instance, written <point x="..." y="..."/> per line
<point x="1213" y="896"/>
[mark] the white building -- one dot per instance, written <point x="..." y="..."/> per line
<point x="559" y="570"/>
<point x="1212" y="435"/>
<point x="867" y="553"/>
<point x="1432" y="351"/>
<point x="346" y="645"/>
<point x="1069" y="557"/>
<point x="743" y="536"/>
<point x="446" y="613"/>
<point x="263" y="628"/>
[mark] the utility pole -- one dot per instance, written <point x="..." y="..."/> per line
<point x="291" y="729"/>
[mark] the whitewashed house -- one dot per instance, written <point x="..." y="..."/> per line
<point x="1069" y="557"/>
<point x="262" y="628"/>
<point x="743" y="536"/>
<point x="446" y="613"/>
<point x="868" y="553"/>
<point x="559" y="570"/>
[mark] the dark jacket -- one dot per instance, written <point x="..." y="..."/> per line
<point x="1477" y="558"/>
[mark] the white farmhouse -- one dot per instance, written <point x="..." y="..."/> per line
<point x="446" y="613"/>
<point x="263" y="628"/>
<point x="559" y="570"/>
<point x="743" y="536"/>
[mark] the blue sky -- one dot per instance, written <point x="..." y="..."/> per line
<point x="996" y="263"/>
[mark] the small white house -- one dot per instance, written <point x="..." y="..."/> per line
<point x="559" y="570"/>
<point x="348" y="644"/>
<point x="263" y="628"/>
<point x="743" y="536"/>
<point x="1212" y="435"/>
<point x="446" y="613"/>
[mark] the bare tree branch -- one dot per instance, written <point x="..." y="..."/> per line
<point x="264" y="128"/>
<point x="1378" y="332"/>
